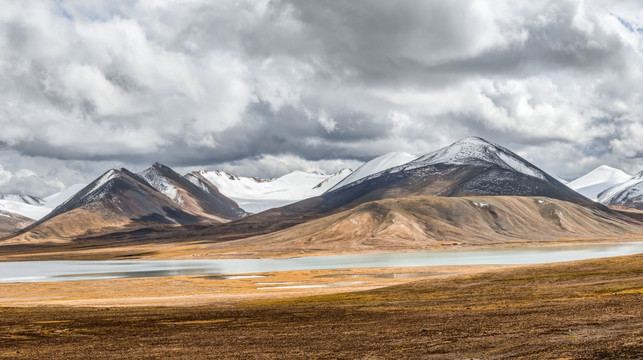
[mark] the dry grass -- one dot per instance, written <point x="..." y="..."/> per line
<point x="588" y="310"/>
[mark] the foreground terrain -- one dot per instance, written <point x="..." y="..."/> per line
<point x="590" y="309"/>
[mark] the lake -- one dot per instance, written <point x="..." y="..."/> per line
<point x="30" y="271"/>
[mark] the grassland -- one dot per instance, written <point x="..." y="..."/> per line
<point x="588" y="310"/>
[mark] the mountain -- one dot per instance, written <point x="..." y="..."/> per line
<point x="628" y="194"/>
<point x="375" y="166"/>
<point x="472" y="192"/>
<point x="562" y="181"/>
<point x="23" y="208"/>
<point x="27" y="199"/>
<point x="32" y="207"/>
<point x="256" y="195"/>
<point x="117" y="200"/>
<point x="195" y="199"/>
<point x="470" y="166"/>
<point x="11" y="222"/>
<point x="598" y="180"/>
<point x="54" y="200"/>
<point x="434" y="222"/>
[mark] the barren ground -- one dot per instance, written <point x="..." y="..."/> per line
<point x="590" y="310"/>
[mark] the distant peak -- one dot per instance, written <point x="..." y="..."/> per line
<point x="473" y="140"/>
<point x="158" y="165"/>
<point x="604" y="168"/>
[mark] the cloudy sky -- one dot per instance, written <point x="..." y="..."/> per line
<point x="264" y="87"/>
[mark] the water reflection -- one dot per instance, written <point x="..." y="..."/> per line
<point x="26" y="271"/>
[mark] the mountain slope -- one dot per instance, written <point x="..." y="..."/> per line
<point x="628" y="194"/>
<point x="375" y="166"/>
<point x="191" y="197"/>
<point x="598" y="180"/>
<point x="256" y="195"/>
<point x="116" y="200"/>
<point x="11" y="222"/>
<point x="430" y="222"/>
<point x="470" y="166"/>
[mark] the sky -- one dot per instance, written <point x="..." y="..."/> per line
<point x="261" y="88"/>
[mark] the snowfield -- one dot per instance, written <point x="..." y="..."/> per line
<point x="256" y="195"/>
<point x="598" y="180"/>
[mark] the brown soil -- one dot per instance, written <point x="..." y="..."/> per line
<point x="588" y="310"/>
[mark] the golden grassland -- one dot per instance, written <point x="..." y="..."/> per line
<point x="589" y="309"/>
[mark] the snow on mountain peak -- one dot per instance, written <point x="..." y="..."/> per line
<point x="375" y="166"/>
<point x="598" y="180"/>
<point x="629" y="192"/>
<point x="101" y="181"/>
<point x="476" y="151"/>
<point x="154" y="175"/>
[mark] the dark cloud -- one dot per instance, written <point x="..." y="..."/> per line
<point x="313" y="85"/>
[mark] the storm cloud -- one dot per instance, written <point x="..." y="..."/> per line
<point x="265" y="87"/>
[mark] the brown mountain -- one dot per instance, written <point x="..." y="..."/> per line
<point x="11" y="222"/>
<point x="204" y="200"/>
<point x="119" y="200"/>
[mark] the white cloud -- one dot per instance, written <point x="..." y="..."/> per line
<point x="304" y="83"/>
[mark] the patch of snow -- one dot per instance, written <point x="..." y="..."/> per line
<point x="196" y="181"/>
<point x="598" y="180"/>
<point x="375" y="166"/>
<point x="162" y="184"/>
<point x="103" y="180"/>
<point x="480" y="205"/>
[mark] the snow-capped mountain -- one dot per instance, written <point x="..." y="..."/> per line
<point x="55" y="200"/>
<point x="27" y="199"/>
<point x="190" y="196"/>
<point x="21" y="208"/>
<point x="470" y="166"/>
<point x="375" y="166"/>
<point x="598" y="180"/>
<point x="500" y="164"/>
<point x="116" y="200"/>
<point x="33" y="207"/>
<point x="256" y="195"/>
<point x="629" y="194"/>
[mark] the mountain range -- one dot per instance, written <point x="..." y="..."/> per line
<point x="471" y="192"/>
